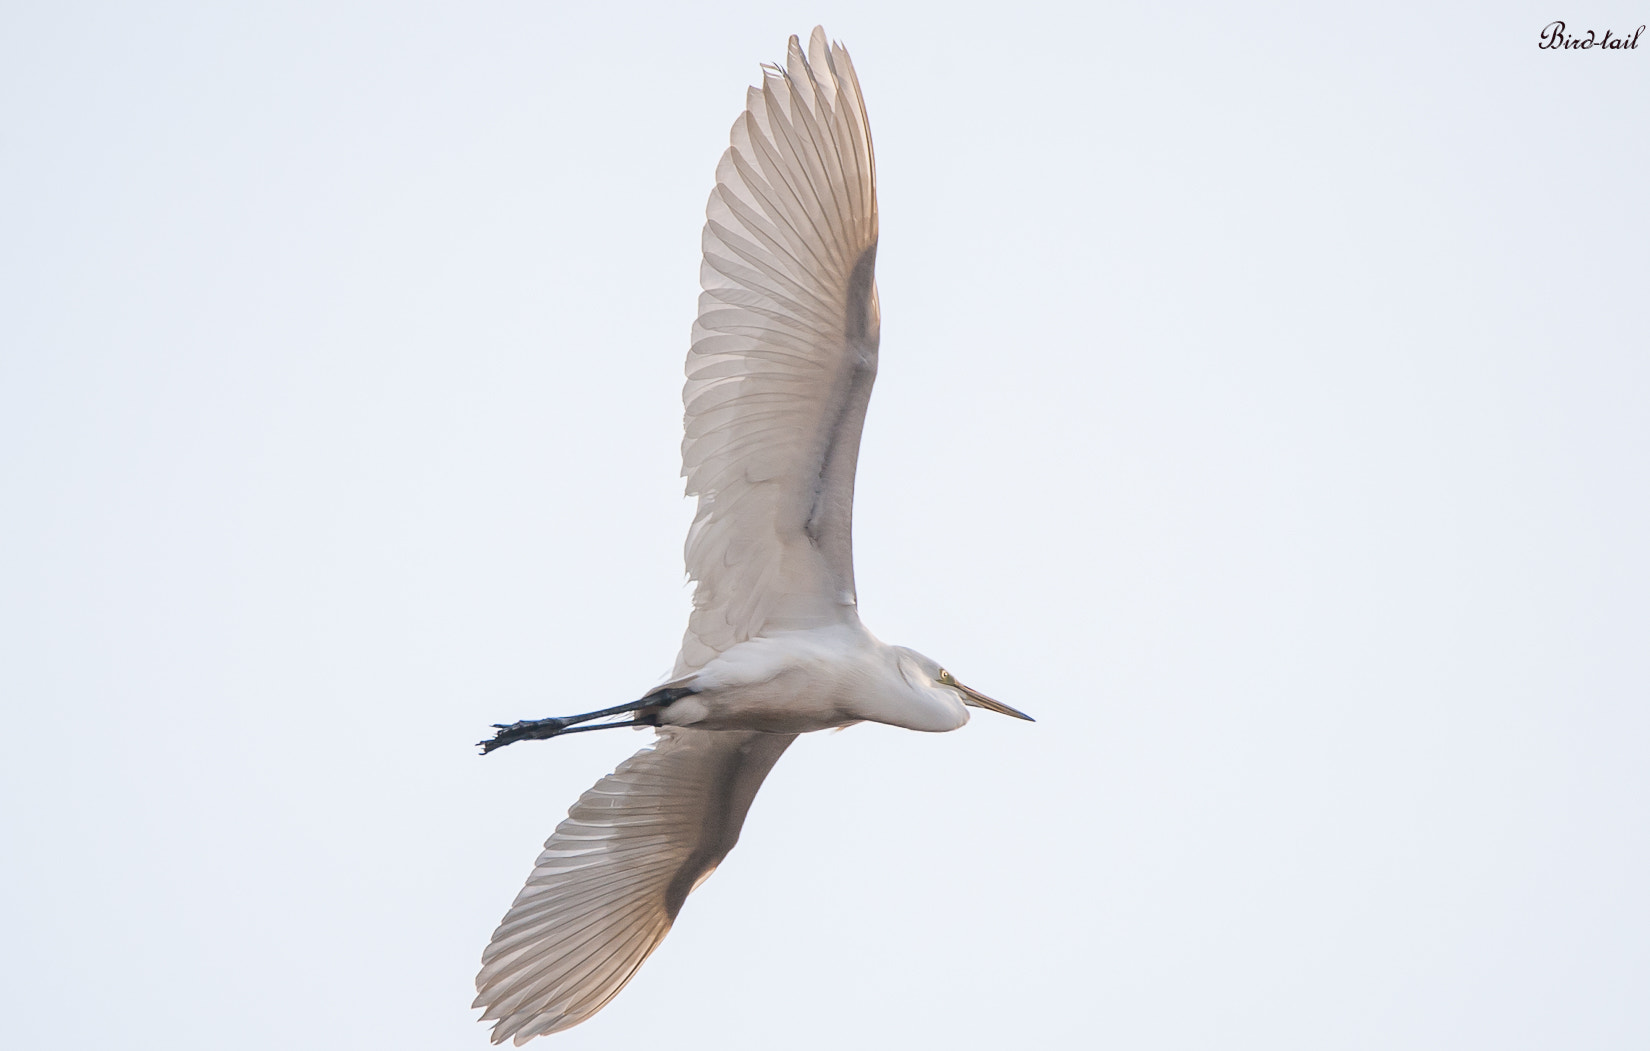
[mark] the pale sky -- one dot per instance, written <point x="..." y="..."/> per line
<point x="1262" y="406"/>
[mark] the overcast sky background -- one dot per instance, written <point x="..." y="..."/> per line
<point x="1263" y="406"/>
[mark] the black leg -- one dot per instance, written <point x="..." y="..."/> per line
<point x="646" y="714"/>
<point x="541" y="729"/>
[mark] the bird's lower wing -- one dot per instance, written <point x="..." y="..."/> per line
<point x="615" y="873"/>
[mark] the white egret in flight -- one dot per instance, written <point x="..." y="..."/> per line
<point x="778" y="376"/>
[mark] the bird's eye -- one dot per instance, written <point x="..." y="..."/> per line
<point x="946" y="679"/>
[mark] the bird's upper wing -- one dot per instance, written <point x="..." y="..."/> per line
<point x="784" y="353"/>
<point x="614" y="874"/>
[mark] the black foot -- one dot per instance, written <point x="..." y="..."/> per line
<point x="523" y="730"/>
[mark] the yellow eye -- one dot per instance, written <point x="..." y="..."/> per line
<point x="946" y="679"/>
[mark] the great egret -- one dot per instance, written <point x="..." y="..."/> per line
<point x="778" y="376"/>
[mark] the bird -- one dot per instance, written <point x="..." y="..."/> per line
<point x="782" y="357"/>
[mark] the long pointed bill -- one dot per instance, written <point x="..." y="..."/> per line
<point x="976" y="699"/>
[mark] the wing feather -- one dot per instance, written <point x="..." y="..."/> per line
<point x="783" y="357"/>
<point x="613" y="876"/>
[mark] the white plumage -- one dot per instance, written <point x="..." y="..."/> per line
<point x="611" y="879"/>
<point x="784" y="353"/>
<point x="783" y="356"/>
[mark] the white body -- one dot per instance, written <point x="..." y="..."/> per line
<point x="795" y="682"/>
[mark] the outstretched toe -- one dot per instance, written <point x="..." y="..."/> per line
<point x="522" y="730"/>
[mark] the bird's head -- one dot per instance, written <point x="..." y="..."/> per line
<point x="928" y="673"/>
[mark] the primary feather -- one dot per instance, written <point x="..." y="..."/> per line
<point x="610" y="881"/>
